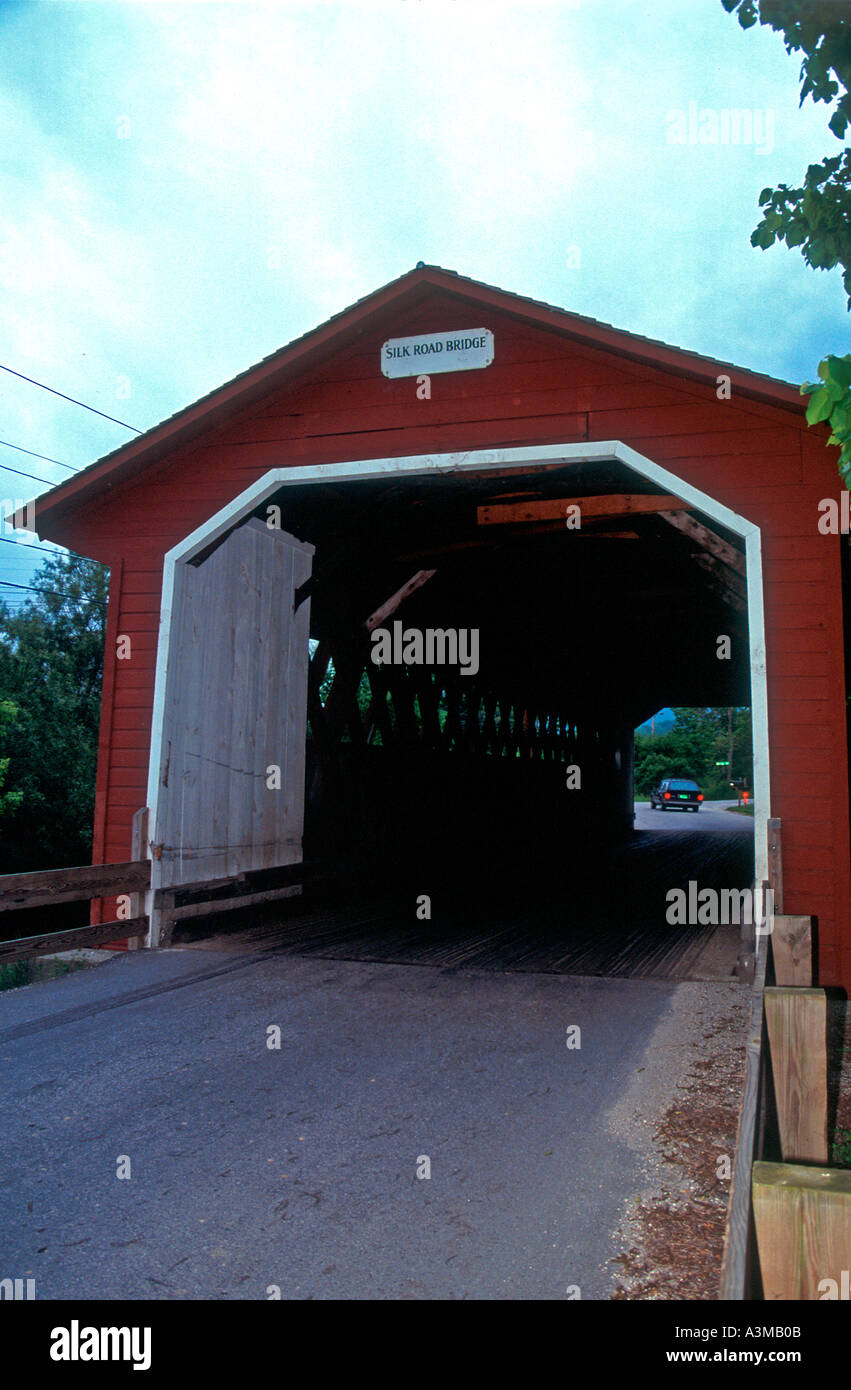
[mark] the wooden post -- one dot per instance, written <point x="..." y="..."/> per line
<point x="797" y="1034"/>
<point x="803" y="1230"/>
<point x="775" y="863"/>
<point x="792" y="948"/>
<point x="162" y="914"/>
<point x="139" y="850"/>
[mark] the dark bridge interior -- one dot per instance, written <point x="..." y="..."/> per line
<point x="429" y="781"/>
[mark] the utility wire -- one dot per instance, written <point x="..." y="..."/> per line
<point x="30" y="545"/>
<point x="31" y="452"/>
<point x="78" y="598"/>
<point x="72" y="399"/>
<point x="28" y="475"/>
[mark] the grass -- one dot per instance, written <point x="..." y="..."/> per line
<point x="841" y="1155"/>
<point x="27" y="972"/>
<point x="741" y="810"/>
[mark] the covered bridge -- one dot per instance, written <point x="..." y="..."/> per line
<point x="545" y="528"/>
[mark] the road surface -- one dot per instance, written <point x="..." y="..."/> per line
<point x="152" y="1144"/>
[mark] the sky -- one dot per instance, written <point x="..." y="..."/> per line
<point x="185" y="188"/>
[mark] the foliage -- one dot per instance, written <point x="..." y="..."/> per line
<point x="51" y="667"/>
<point x="17" y="973"/>
<point x="10" y="799"/>
<point x="817" y="216"/>
<point x="831" y="400"/>
<point x="699" y="738"/>
<point x="842" y="1149"/>
<point x="821" y="30"/>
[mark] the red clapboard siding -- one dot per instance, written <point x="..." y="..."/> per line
<point x="787" y="641"/>
<point x="800" y="663"/>
<point x="806" y="857"/>
<point x="775" y="548"/>
<point x="820" y="762"/>
<point x="143" y="582"/>
<point x="797" y="615"/>
<point x="806" y="736"/>
<point x="801" y="833"/>
<point x="793" y="711"/>
<point x="129" y="758"/>
<point x="801" y="687"/>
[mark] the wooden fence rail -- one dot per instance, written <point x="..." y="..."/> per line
<point x="45" y="887"/>
<point x="48" y="886"/>
<point x="23" y="947"/>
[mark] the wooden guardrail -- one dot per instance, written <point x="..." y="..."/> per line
<point x="247" y="889"/>
<point x="48" y="886"/>
<point x="789" y="1224"/>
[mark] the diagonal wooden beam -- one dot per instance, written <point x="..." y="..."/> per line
<point x="731" y="578"/>
<point x="705" y="538"/>
<point x="721" y="583"/>
<point x="415" y="582"/>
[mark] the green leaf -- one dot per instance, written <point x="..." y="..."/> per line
<point x="840" y="369"/>
<point x="763" y="237"/>
<point x="819" y="407"/>
<point x="840" y="419"/>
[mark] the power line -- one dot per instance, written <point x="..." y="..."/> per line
<point x="28" y="475"/>
<point x="29" y="545"/>
<point x="24" y="545"/>
<point x="72" y="399"/>
<point x="78" y="598"/>
<point x="33" y="454"/>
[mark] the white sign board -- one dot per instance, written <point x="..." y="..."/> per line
<point x="462" y="350"/>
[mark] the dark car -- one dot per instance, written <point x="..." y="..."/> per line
<point x="676" y="792"/>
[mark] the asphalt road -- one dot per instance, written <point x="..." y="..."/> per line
<point x="713" y="817"/>
<point x="297" y="1167"/>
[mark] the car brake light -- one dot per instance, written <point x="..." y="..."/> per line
<point x="667" y="796"/>
<point x="700" y="796"/>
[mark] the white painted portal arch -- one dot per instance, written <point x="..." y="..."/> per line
<point x="482" y="461"/>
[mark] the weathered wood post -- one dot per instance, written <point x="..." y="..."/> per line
<point x="803" y="1228"/>
<point x="792" y="950"/>
<point x="138" y="850"/>
<point x="797" y="1034"/>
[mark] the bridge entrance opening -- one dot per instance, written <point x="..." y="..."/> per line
<point x="482" y="647"/>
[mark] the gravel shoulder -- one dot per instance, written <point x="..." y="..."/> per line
<point x="680" y="1117"/>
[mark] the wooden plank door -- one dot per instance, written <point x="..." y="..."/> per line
<point x="231" y="782"/>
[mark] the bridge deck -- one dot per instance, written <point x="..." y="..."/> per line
<point x="608" y="922"/>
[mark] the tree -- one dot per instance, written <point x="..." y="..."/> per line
<point x="698" y="741"/>
<point x="817" y="216"/>
<point x="10" y="799"/>
<point x="51" y="668"/>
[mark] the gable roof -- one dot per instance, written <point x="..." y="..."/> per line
<point x="410" y="289"/>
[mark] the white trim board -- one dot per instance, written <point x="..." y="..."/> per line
<point x="483" y="461"/>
